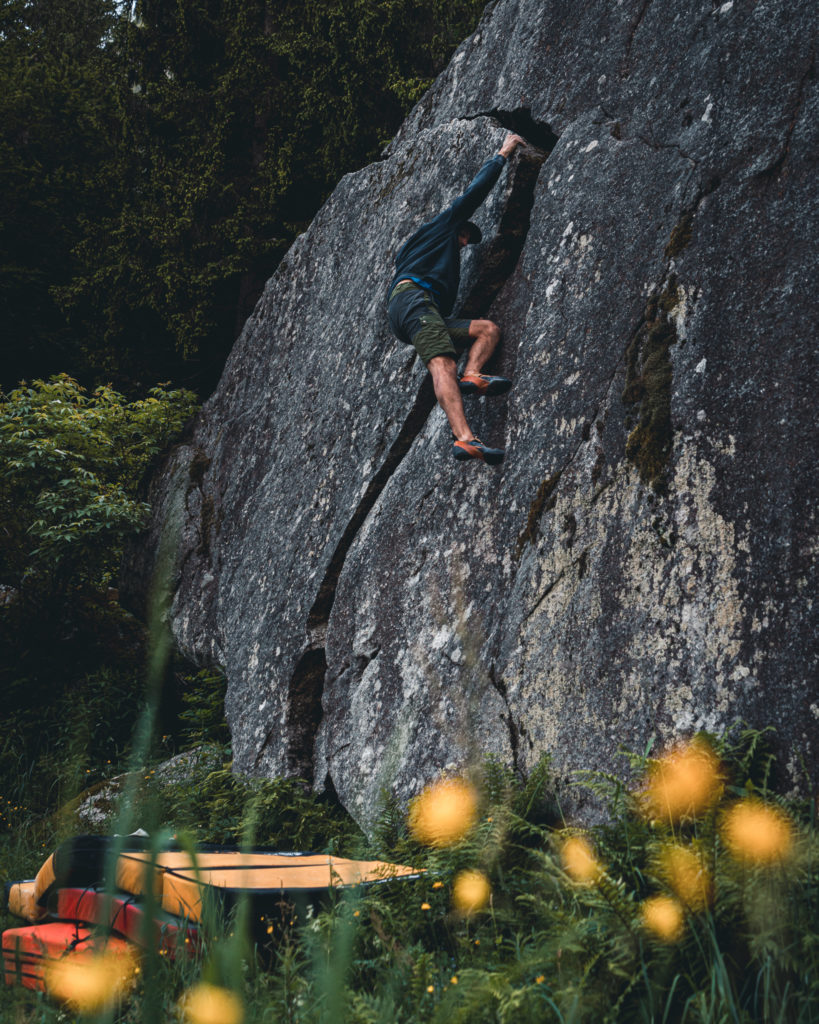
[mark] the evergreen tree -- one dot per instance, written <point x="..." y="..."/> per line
<point x="239" y="117"/>
<point x="56" y="145"/>
<point x="158" y="157"/>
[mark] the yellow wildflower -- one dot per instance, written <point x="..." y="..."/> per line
<point x="683" y="783"/>
<point x="425" y="906"/>
<point x="663" y="916"/>
<point x="444" y="812"/>
<point x="470" y="892"/>
<point x="757" y="833"/>
<point x="211" y="1004"/>
<point x="686" y="874"/>
<point x="90" y="984"/>
<point x="579" y="860"/>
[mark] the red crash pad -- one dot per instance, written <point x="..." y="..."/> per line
<point x="27" y="952"/>
<point x="127" y="916"/>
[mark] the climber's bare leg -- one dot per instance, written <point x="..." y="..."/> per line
<point x="486" y="335"/>
<point x="445" y="383"/>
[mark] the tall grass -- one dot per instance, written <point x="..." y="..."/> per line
<point x="658" y="915"/>
<point x="547" y="946"/>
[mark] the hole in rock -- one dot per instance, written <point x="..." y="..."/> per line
<point x="304" y="711"/>
<point x="520" y="120"/>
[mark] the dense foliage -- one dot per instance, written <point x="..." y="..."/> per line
<point x="70" y="465"/>
<point x="57" y="132"/>
<point x="159" y="157"/>
<point x="550" y="940"/>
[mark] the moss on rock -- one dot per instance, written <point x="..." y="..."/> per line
<point x="543" y="501"/>
<point x="648" y="387"/>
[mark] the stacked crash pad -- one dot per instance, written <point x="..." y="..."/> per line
<point x="27" y="952"/>
<point x="182" y="885"/>
<point x="158" y="900"/>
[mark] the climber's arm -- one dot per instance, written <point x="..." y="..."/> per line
<point x="465" y="205"/>
<point x="481" y="185"/>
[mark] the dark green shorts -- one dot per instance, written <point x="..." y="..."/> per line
<point x="416" y="320"/>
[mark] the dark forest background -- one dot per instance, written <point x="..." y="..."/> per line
<point x="158" y="158"/>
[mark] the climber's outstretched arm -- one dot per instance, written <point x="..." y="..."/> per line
<point x="465" y="205"/>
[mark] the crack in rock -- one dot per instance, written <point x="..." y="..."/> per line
<point x="500" y="258"/>
<point x="777" y="166"/>
<point x="648" y="388"/>
<point x="514" y="731"/>
<point x="537" y="133"/>
<point x="634" y="28"/>
<point x="546" y="592"/>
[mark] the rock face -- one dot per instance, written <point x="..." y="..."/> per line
<point x="643" y="564"/>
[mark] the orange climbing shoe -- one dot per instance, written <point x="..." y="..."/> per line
<point x="476" y="449"/>
<point x="483" y="384"/>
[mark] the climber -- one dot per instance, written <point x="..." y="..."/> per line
<point x="421" y="296"/>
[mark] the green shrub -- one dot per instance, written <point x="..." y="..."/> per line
<point x="70" y="466"/>
<point x="224" y="807"/>
<point x="547" y="947"/>
<point x="203" y="715"/>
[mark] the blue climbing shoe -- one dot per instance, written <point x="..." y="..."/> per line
<point x="476" y="449"/>
<point x="483" y="384"/>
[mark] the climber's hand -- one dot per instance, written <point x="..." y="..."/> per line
<point x="509" y="144"/>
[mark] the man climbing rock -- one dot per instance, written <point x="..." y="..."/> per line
<point x="421" y="296"/>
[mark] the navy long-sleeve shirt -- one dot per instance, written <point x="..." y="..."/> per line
<point x="433" y="253"/>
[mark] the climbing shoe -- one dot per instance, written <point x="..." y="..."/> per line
<point x="476" y="449"/>
<point x="483" y="384"/>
